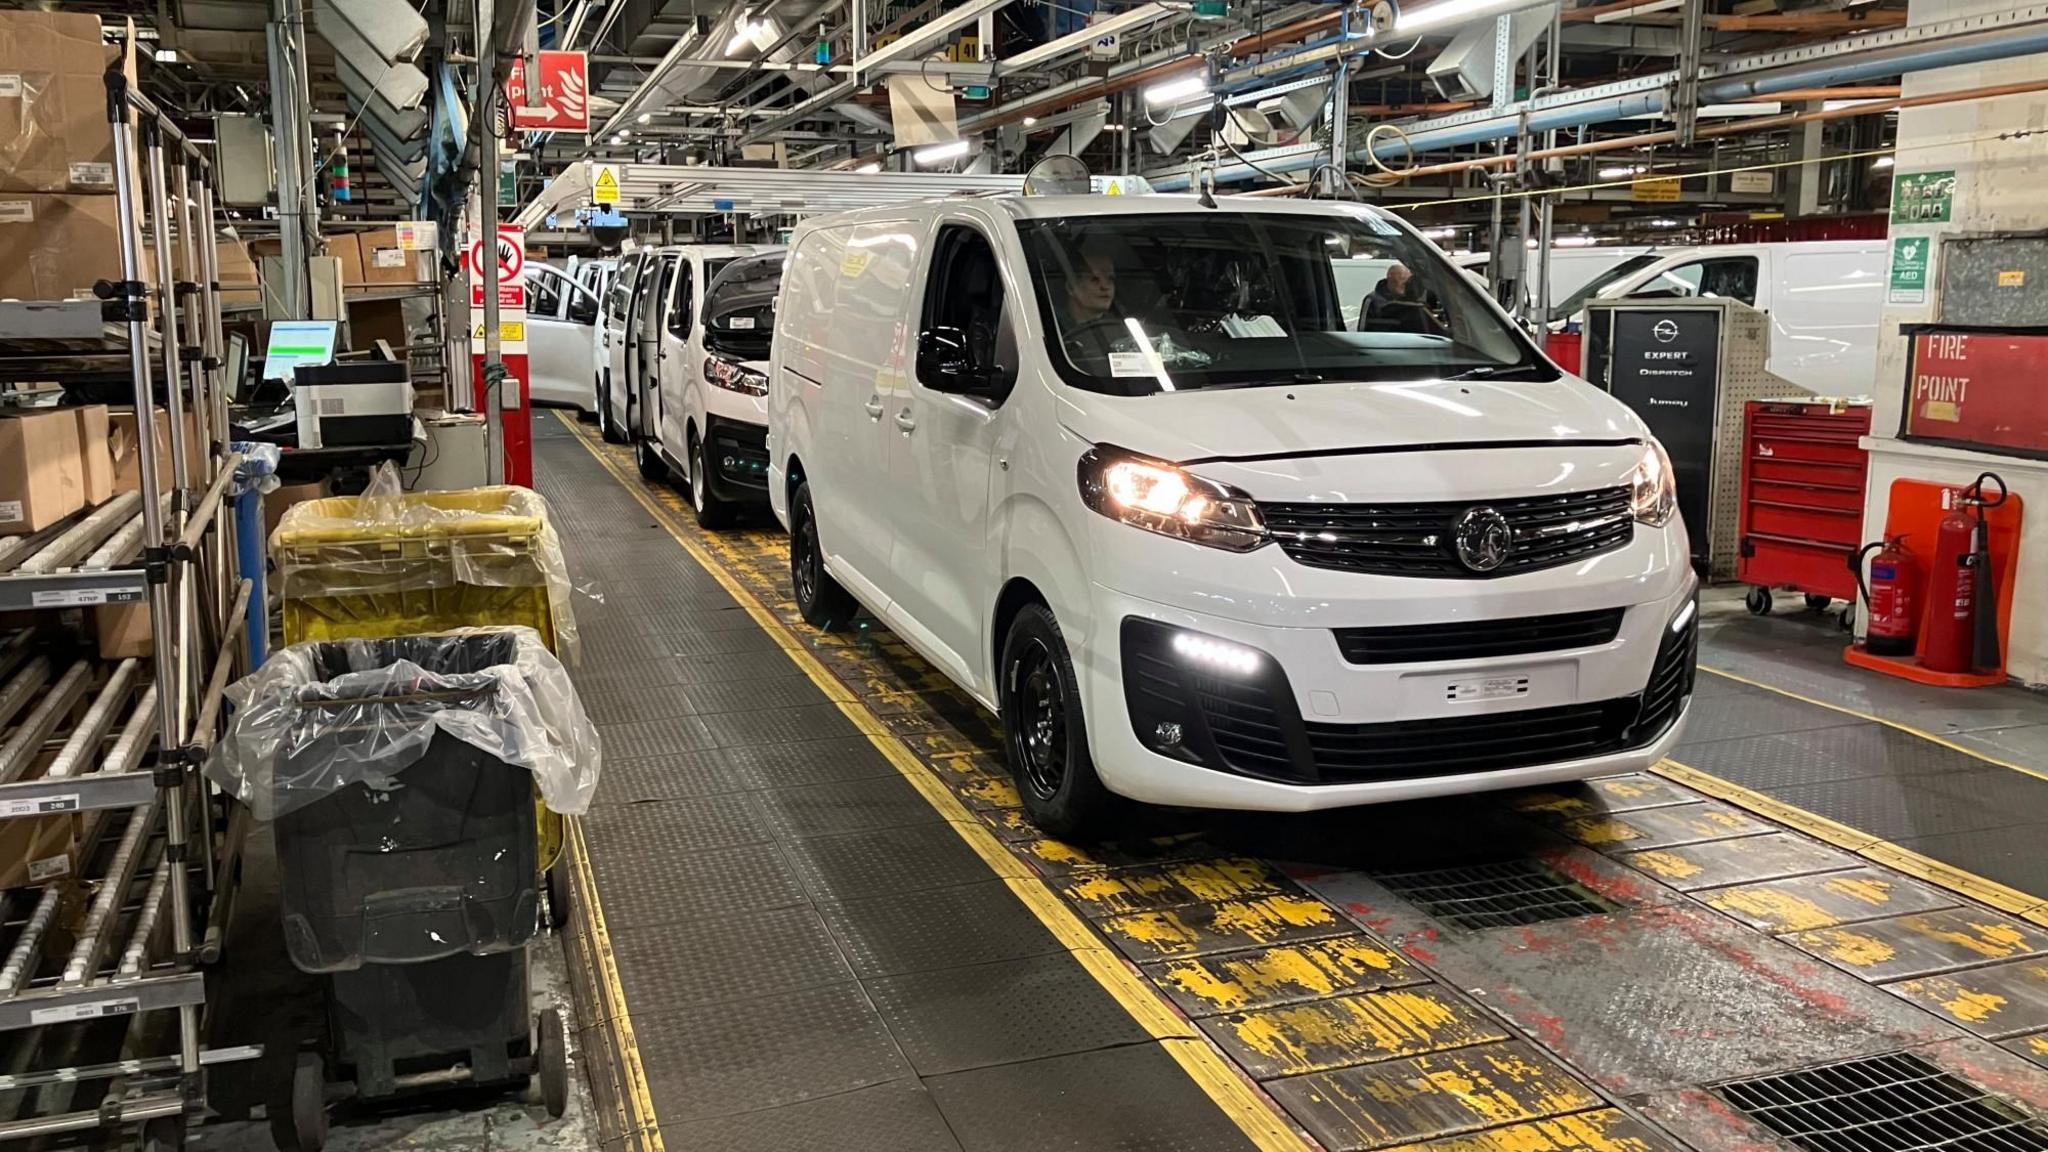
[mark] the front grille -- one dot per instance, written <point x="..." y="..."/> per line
<point x="1671" y="679"/>
<point x="1479" y="639"/>
<point x="1248" y="724"/>
<point x="746" y="446"/>
<point x="1892" y="1103"/>
<point x="1416" y="539"/>
<point x="1454" y="745"/>
<point x="1503" y="894"/>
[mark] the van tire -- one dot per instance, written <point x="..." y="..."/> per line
<point x="648" y="457"/>
<point x="712" y="512"/>
<point x="1044" y="734"/>
<point x="823" y="603"/>
<point x="607" y="427"/>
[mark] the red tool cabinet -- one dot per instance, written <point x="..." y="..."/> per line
<point x="1803" y="472"/>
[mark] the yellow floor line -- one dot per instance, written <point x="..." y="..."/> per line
<point x="1945" y="876"/>
<point x="1212" y="1073"/>
<point x="640" y="1119"/>
<point x="1893" y="724"/>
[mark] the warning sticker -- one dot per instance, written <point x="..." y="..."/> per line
<point x="604" y="185"/>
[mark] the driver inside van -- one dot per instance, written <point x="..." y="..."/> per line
<point x="1087" y="326"/>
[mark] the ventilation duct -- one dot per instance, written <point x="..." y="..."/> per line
<point x="1464" y="71"/>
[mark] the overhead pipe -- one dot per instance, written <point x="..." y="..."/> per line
<point x="1995" y="44"/>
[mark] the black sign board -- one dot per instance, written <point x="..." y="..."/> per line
<point x="1665" y="364"/>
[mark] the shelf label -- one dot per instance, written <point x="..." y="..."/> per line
<point x="92" y="1010"/>
<point x="40" y="806"/>
<point x="69" y="598"/>
<point x="49" y="868"/>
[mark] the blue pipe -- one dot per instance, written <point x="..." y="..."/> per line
<point x="1985" y="47"/>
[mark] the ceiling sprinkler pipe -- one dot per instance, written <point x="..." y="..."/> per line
<point x="2002" y="45"/>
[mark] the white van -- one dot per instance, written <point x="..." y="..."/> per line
<point x="653" y="379"/>
<point x="1118" y="467"/>
<point x="561" y="332"/>
<point x="1823" y="298"/>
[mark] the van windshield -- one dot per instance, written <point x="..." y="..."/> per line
<point x="739" y="309"/>
<point x="1591" y="288"/>
<point x="1159" y="303"/>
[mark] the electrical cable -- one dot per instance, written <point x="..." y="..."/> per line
<point x="1387" y="177"/>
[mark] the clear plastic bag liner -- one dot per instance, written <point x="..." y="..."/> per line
<point x="325" y="715"/>
<point x="412" y="558"/>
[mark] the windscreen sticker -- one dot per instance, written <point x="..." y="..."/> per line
<point x="1129" y="364"/>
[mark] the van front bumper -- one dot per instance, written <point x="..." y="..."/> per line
<point x="736" y="454"/>
<point x="1192" y="710"/>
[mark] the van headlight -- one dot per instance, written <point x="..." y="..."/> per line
<point x="722" y="373"/>
<point x="1158" y="497"/>
<point x="1653" y="490"/>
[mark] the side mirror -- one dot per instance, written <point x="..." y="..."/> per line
<point x="583" y="310"/>
<point x="944" y="363"/>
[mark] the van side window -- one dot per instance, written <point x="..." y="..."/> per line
<point x="965" y="291"/>
<point x="1722" y="278"/>
<point x="622" y="290"/>
<point x="684" y="305"/>
<point x="544" y="294"/>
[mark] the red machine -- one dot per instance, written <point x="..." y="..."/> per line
<point x="1962" y="593"/>
<point x="1801" y="516"/>
<point x="1891" y="600"/>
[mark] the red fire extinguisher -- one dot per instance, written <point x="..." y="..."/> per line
<point x="1891" y="597"/>
<point x="1961" y="596"/>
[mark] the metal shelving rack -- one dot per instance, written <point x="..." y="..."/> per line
<point x="122" y="939"/>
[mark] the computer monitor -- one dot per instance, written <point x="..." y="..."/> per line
<point x="296" y="342"/>
<point x="237" y="368"/>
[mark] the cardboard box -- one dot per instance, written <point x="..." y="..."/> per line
<point x="279" y="500"/>
<point x="40" y="480"/>
<point x="372" y="320"/>
<point x="384" y="262"/>
<point x="345" y="249"/>
<point x="239" y="282"/>
<point x="53" y="247"/>
<point x="124" y="630"/>
<point x="122" y="448"/>
<point x="54" y="135"/>
<point x="41" y="849"/>
<point x="95" y="455"/>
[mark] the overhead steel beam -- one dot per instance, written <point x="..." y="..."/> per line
<point x="1078" y="41"/>
<point x="941" y="25"/>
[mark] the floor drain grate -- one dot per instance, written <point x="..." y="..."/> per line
<point x="1503" y="894"/>
<point x="1893" y="1103"/>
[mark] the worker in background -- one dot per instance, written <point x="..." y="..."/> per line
<point x="1395" y="304"/>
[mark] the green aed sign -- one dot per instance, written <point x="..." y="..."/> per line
<point x="1923" y="197"/>
<point x="1909" y="270"/>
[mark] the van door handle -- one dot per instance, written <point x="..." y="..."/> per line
<point x="904" y="421"/>
<point x="874" y="407"/>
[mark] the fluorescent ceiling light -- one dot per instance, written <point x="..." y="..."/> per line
<point x="1030" y="120"/>
<point x="1883" y="162"/>
<point x="1617" y="173"/>
<point x="1642" y="9"/>
<point x="1448" y="11"/>
<point x="761" y="33"/>
<point x="1838" y="105"/>
<point x="870" y="167"/>
<point x="644" y="117"/>
<point x="1178" y="88"/>
<point x="940" y="152"/>
<point x="625" y="132"/>
<point x="1574" y="242"/>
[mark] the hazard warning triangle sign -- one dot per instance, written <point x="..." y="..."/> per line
<point x="604" y="184"/>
